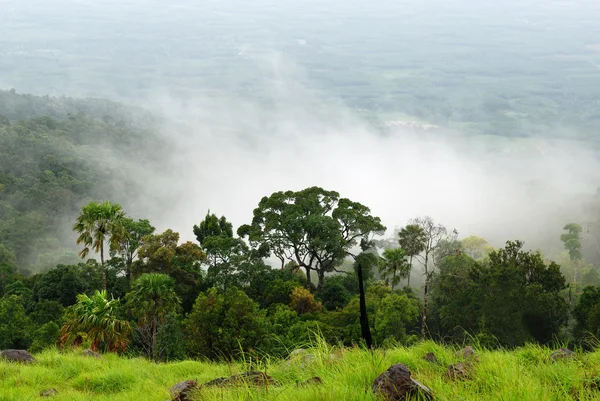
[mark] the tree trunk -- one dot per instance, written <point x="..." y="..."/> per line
<point x="425" y="298"/>
<point x="154" y="324"/>
<point x="425" y="306"/>
<point x="393" y="279"/>
<point x="364" y="319"/>
<point x="321" y="276"/>
<point x="308" y="269"/>
<point x="409" y="271"/>
<point x="102" y="266"/>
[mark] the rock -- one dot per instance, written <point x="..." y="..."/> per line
<point x="92" y="354"/>
<point x="298" y="353"/>
<point x="563" y="353"/>
<point x="395" y="384"/>
<point x="182" y="391"/>
<point x="459" y="371"/>
<point x="49" y="393"/>
<point x="17" y="355"/>
<point x="251" y="378"/>
<point x="312" y="381"/>
<point x="468" y="354"/>
<point x="430" y="357"/>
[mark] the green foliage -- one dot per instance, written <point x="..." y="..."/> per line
<point x="572" y="240"/>
<point x="46" y="336"/>
<point x="224" y="325"/>
<point x="393" y="265"/>
<point x="14" y="323"/>
<point x="95" y="319"/>
<point x="170" y="340"/>
<point x="151" y="300"/>
<point x="586" y="313"/>
<point x="334" y="294"/>
<point x="128" y="238"/>
<point x="514" y="296"/>
<point x="302" y="301"/>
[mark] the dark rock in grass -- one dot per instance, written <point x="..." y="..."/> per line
<point x="49" y="393"/>
<point x="92" y="354"/>
<point x="459" y="371"/>
<point x="312" y="381"/>
<point x="395" y="384"/>
<point x="468" y="354"/>
<point x="430" y="357"/>
<point x="563" y="353"/>
<point x="258" y="379"/>
<point x="183" y="391"/>
<point x="17" y="355"/>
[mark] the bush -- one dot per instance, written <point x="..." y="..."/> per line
<point x="45" y="337"/>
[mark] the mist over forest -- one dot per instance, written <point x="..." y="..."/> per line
<point x="482" y="114"/>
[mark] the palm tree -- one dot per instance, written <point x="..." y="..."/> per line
<point x="412" y="240"/>
<point x="151" y="299"/>
<point x="394" y="263"/>
<point x="96" y="319"/>
<point x="96" y="224"/>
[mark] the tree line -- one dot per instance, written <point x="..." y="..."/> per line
<point x="309" y="263"/>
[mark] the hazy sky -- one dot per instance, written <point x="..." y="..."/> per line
<point x="261" y="96"/>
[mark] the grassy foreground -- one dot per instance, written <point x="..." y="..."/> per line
<point x="522" y="374"/>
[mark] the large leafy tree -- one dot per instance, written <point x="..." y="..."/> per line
<point x="128" y="239"/>
<point x="96" y="224"/>
<point x="394" y="266"/>
<point x="151" y="299"/>
<point x="314" y="228"/>
<point x="95" y="319"/>
<point x="412" y="240"/>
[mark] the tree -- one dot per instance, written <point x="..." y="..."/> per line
<point x="302" y="301"/>
<point x="364" y="262"/>
<point x="223" y="325"/>
<point x="151" y="299"/>
<point x="412" y="239"/>
<point x="435" y="234"/>
<point x="476" y="247"/>
<point x="160" y="253"/>
<point x="314" y="228"/>
<point x="14" y="323"/>
<point x="95" y="319"/>
<point x="393" y="263"/>
<point x="572" y="241"/>
<point x="95" y="225"/>
<point x="128" y="239"/>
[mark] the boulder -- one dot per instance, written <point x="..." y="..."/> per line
<point x="459" y="371"/>
<point x="430" y="357"/>
<point x="312" y="381"/>
<point x="300" y="352"/>
<point x="562" y="353"/>
<point x="183" y="391"/>
<point x="92" y="354"/>
<point x="49" y="393"/>
<point x="468" y="354"/>
<point x="252" y="378"/>
<point x="395" y="384"/>
<point x="17" y="355"/>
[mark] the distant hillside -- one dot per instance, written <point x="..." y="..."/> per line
<point x="56" y="154"/>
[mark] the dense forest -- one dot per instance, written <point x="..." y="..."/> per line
<point x="77" y="269"/>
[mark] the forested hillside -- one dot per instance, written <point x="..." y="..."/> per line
<point x="55" y="155"/>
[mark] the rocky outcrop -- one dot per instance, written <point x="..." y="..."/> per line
<point x="17" y="355"/>
<point x="430" y="357"/>
<point x="252" y="378"/>
<point x="468" y="354"/>
<point x="459" y="371"/>
<point x="395" y="384"/>
<point x="91" y="354"/>
<point x="562" y="353"/>
<point x="51" y="392"/>
<point x="183" y="391"/>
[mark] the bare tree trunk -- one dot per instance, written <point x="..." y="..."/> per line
<point x="409" y="271"/>
<point x="308" y="269"/>
<point x="364" y="320"/>
<point x="321" y="276"/>
<point x="393" y="279"/>
<point x="103" y="268"/>
<point x="425" y="307"/>
<point x="154" y="324"/>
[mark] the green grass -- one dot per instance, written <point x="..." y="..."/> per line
<point x="523" y="374"/>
